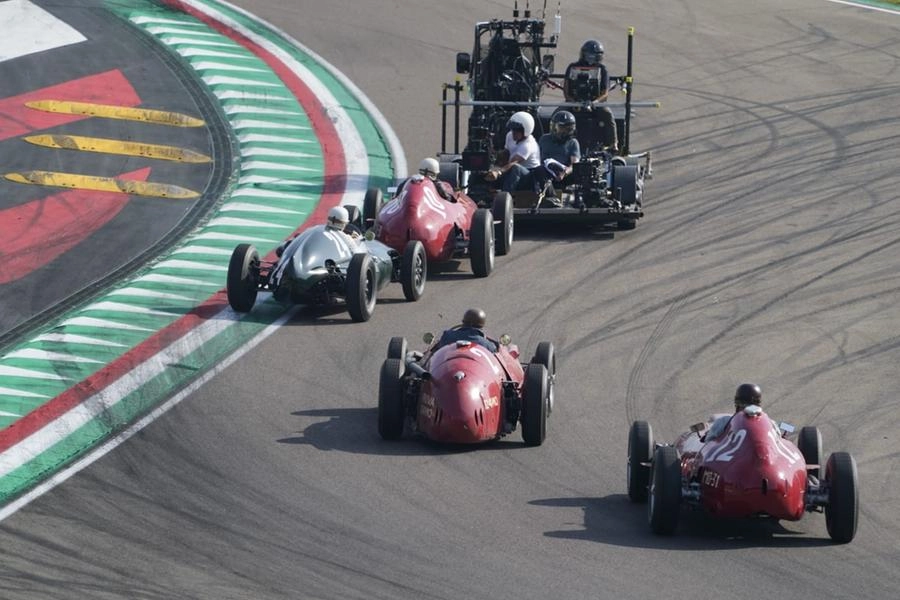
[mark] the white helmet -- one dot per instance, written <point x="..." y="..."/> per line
<point x="430" y="168"/>
<point x="521" y="120"/>
<point x="338" y="217"/>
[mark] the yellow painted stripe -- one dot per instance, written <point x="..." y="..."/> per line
<point x="159" y="117"/>
<point x="102" y="184"/>
<point x="107" y="146"/>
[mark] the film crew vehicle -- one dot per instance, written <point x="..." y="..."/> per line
<point x="509" y="68"/>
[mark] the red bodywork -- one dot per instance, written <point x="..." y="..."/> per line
<point x="463" y="400"/>
<point x="747" y="470"/>
<point x="419" y="212"/>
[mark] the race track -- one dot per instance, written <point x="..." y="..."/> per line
<point x="769" y="253"/>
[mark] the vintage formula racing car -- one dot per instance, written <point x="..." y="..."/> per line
<point x="322" y="266"/>
<point x="463" y="393"/>
<point x="447" y="222"/>
<point x="742" y="466"/>
<point x="508" y="70"/>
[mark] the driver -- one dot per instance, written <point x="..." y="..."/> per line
<point x="586" y="80"/>
<point x="745" y="395"/>
<point x="429" y="168"/>
<point x="470" y="330"/>
<point x="338" y="220"/>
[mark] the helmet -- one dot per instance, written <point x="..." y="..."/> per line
<point x="521" y="120"/>
<point x="474" y="317"/>
<point x="747" y="394"/>
<point x="562" y="125"/>
<point x="592" y="52"/>
<point x="430" y="168"/>
<point x="338" y="217"/>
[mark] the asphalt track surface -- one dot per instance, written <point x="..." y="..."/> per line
<point x="769" y="253"/>
<point x="45" y="276"/>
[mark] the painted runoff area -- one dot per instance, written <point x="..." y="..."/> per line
<point x="75" y="390"/>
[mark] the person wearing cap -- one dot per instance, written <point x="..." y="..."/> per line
<point x="471" y="329"/>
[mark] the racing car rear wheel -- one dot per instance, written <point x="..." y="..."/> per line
<point x="390" y="399"/>
<point x="809" y="442"/>
<point x="481" y="242"/>
<point x="665" y="491"/>
<point x="546" y="355"/>
<point x="361" y="287"/>
<point x="371" y="206"/>
<point x="503" y="222"/>
<point x="243" y="278"/>
<point x="534" y="415"/>
<point x="640" y="453"/>
<point x="397" y="348"/>
<point x="413" y="270"/>
<point x="842" y="510"/>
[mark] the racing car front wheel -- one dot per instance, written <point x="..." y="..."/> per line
<point x="413" y="270"/>
<point x="481" y="242"/>
<point x="809" y="442"/>
<point x="242" y="282"/>
<point x="397" y="348"/>
<point x="371" y="206"/>
<point x="842" y="510"/>
<point x="546" y="355"/>
<point x="534" y="417"/>
<point x="390" y="399"/>
<point x="361" y="287"/>
<point x="640" y="453"/>
<point x="503" y="222"/>
<point x="665" y="491"/>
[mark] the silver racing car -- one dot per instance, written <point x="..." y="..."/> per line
<point x="324" y="265"/>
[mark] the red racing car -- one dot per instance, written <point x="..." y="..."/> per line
<point x="738" y="466"/>
<point x="462" y="393"/>
<point x="447" y="222"/>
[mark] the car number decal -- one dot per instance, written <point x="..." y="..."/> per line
<point x="434" y="202"/>
<point x="729" y="447"/>
<point x="394" y="205"/>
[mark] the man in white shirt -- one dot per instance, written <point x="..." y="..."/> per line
<point x="523" y="150"/>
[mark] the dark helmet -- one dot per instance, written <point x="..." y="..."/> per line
<point x="562" y="125"/>
<point x="592" y="52"/>
<point x="474" y="317"/>
<point x="747" y="394"/>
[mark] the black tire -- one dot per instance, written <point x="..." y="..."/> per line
<point x="371" y="206"/>
<point x="626" y="188"/>
<point x="354" y="217"/>
<point x="503" y="222"/>
<point x="397" y="348"/>
<point x="413" y="270"/>
<point x="391" y="412"/>
<point x="626" y="224"/>
<point x="640" y="452"/>
<point x="481" y="242"/>
<point x="362" y="288"/>
<point x="842" y="510"/>
<point x="809" y="442"/>
<point x="534" y="413"/>
<point x="449" y="172"/>
<point x="242" y="283"/>
<point x="665" y="491"/>
<point x="546" y="355"/>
